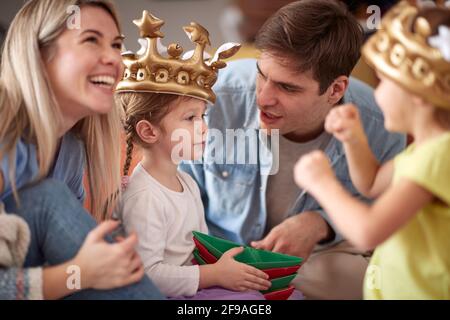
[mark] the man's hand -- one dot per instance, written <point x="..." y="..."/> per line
<point x="297" y="235"/>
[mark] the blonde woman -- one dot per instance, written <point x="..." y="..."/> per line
<point x="57" y="117"/>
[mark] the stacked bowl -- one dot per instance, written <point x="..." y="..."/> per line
<point x="280" y="268"/>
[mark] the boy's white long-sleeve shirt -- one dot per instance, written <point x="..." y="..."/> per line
<point x="164" y="220"/>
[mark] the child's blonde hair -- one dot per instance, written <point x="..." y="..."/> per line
<point x="28" y="107"/>
<point x="138" y="106"/>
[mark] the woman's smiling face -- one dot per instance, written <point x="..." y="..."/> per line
<point x="85" y="65"/>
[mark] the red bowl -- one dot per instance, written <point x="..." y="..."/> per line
<point x="204" y="253"/>
<point x="280" y="272"/>
<point x="282" y="294"/>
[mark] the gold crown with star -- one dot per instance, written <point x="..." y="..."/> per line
<point x="401" y="51"/>
<point x="188" y="74"/>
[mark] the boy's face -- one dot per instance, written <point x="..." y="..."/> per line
<point x="396" y="104"/>
<point x="184" y="130"/>
<point x="288" y="100"/>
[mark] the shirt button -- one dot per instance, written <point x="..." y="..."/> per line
<point x="225" y="174"/>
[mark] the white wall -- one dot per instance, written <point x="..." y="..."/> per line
<point x="8" y="10"/>
<point x="176" y="14"/>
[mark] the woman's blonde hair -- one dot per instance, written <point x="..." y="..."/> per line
<point x="138" y="106"/>
<point x="28" y="108"/>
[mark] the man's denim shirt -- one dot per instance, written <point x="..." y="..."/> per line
<point x="234" y="192"/>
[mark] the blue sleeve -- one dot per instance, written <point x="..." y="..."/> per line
<point x="70" y="165"/>
<point x="390" y="147"/>
<point x="77" y="186"/>
<point x="76" y="182"/>
<point x="26" y="168"/>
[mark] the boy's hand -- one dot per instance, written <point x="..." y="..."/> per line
<point x="239" y="276"/>
<point x="313" y="170"/>
<point x="344" y="123"/>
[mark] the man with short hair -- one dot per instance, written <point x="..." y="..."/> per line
<point x="308" y="50"/>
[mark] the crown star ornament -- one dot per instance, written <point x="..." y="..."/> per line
<point x="403" y="51"/>
<point x="442" y="41"/>
<point x="185" y="74"/>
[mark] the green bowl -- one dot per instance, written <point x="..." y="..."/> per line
<point x="198" y="258"/>
<point x="277" y="283"/>
<point x="261" y="259"/>
<point x="280" y="283"/>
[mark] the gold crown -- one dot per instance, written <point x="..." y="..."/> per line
<point x="189" y="76"/>
<point x="400" y="50"/>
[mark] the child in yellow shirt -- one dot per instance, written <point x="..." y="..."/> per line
<point x="409" y="222"/>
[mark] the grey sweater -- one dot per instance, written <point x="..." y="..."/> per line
<point x="21" y="284"/>
<point x="15" y="281"/>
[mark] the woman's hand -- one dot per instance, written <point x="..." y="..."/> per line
<point x="106" y="265"/>
<point x="239" y="276"/>
<point x="344" y="123"/>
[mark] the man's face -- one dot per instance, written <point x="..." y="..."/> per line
<point x="289" y="100"/>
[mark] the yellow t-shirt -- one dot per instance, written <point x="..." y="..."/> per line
<point x="414" y="263"/>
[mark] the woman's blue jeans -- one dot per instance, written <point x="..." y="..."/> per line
<point x="59" y="224"/>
